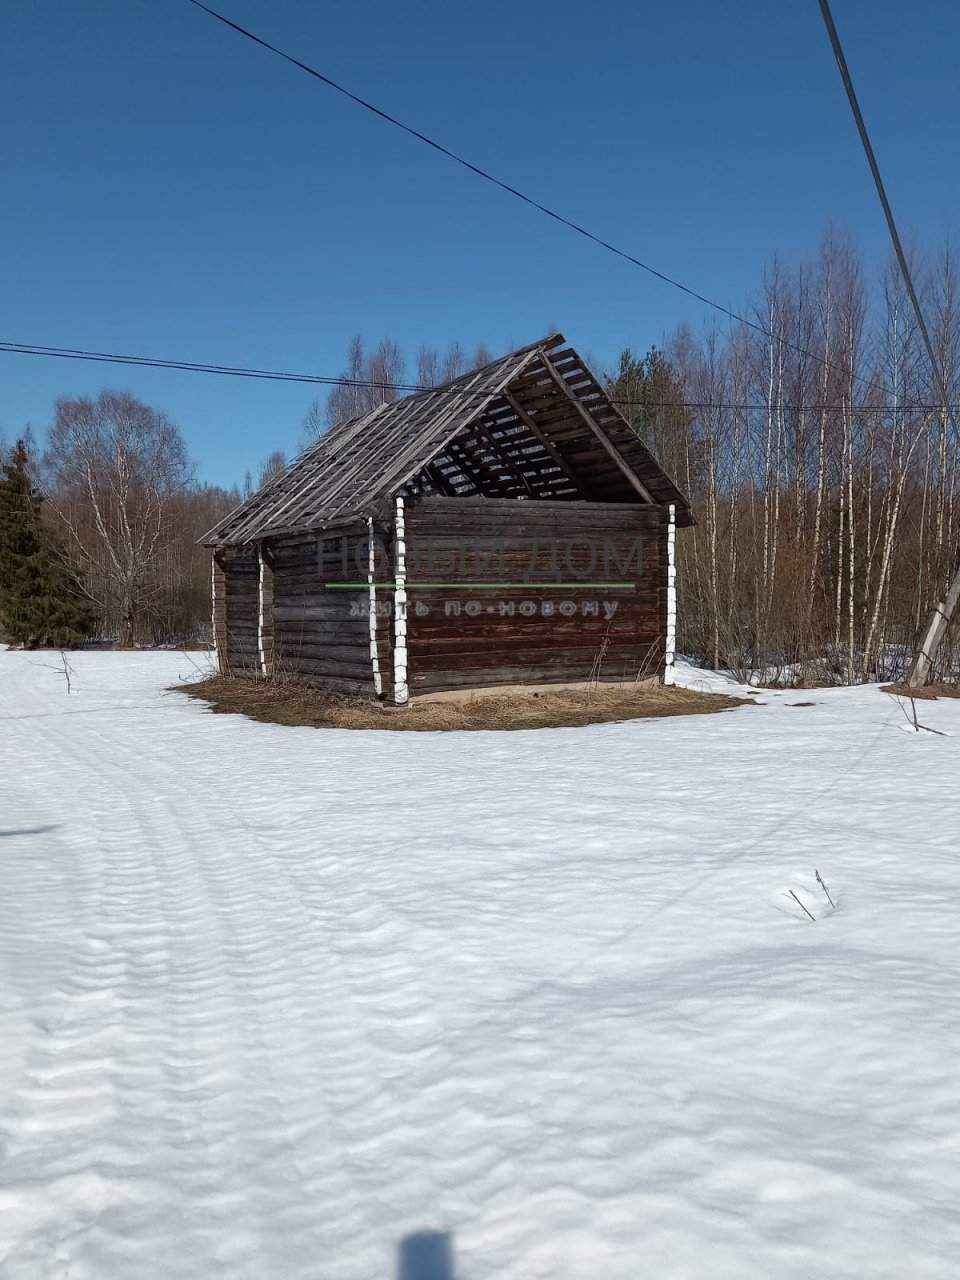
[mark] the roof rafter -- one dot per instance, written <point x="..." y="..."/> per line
<point x="551" y="449"/>
<point x="632" y="477"/>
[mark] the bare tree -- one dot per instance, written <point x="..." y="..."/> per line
<point x="384" y="369"/>
<point x="115" y="467"/>
<point x="315" y="424"/>
<point x="433" y="370"/>
<point x="349" y="399"/>
<point x="274" y="466"/>
<point x="369" y="380"/>
<point x="428" y="367"/>
<point x="372" y="378"/>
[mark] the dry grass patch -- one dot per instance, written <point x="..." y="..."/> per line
<point x="926" y="693"/>
<point x="292" y="704"/>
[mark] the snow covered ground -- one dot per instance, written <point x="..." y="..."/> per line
<point x="274" y="1000"/>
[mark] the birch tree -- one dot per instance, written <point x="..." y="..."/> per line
<point x="116" y="465"/>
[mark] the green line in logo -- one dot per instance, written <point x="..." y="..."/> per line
<point x="481" y="586"/>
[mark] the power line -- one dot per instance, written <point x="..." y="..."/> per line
<point x="410" y="388"/>
<point x="190" y="366"/>
<point x="516" y="192"/>
<point x="887" y="211"/>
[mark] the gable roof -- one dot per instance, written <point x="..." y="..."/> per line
<point x="535" y="423"/>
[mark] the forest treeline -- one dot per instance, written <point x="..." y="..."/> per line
<point x="111" y="497"/>
<point x="812" y="443"/>
<point x="821" y="464"/>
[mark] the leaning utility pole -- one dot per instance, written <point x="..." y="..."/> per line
<point x="944" y="610"/>
<point x="933" y="636"/>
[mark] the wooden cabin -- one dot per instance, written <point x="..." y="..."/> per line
<point x="507" y="528"/>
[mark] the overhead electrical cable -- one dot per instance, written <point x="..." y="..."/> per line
<point x="520" y="195"/>
<point x="943" y="610"/>
<point x="411" y="388"/>
<point x="885" y="203"/>
<point x="191" y="366"/>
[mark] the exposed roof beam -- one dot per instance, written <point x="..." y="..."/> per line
<point x="608" y="444"/>
<point x="470" y="442"/>
<point x="512" y="469"/>
<point x="550" y="447"/>
<point x="458" y="454"/>
<point x="524" y="357"/>
<point x="439" y="480"/>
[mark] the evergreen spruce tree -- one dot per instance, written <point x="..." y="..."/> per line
<point x="42" y="604"/>
<point x="651" y="395"/>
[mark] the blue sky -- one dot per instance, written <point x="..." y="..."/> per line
<point x="170" y="189"/>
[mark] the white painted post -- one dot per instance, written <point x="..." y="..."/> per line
<point x="260" y="611"/>
<point x="670" y="640"/>
<point x="213" y="611"/>
<point x="401" y="693"/>
<point x="372" y="587"/>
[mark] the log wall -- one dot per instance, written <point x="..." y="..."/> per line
<point x="519" y="621"/>
<point x="321" y="633"/>
<point x="219" y="606"/>
<point x="536" y="633"/>
<point x="237" y="588"/>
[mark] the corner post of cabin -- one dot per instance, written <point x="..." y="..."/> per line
<point x="400" y="691"/>
<point x="670" y="636"/>
<point x="264" y="608"/>
<point x="218" y="612"/>
<point x="372" y="608"/>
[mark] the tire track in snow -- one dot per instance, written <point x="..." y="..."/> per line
<point x="365" y="1046"/>
<point x="137" y="1015"/>
<point x="68" y="1096"/>
<point x="190" y="931"/>
<point x="297" y="994"/>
